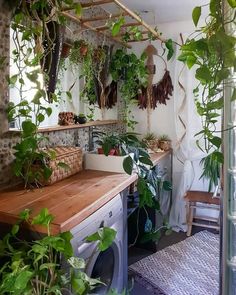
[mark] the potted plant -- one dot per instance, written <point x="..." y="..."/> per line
<point x="66" y="47"/>
<point x="151" y="140"/>
<point x="81" y="119"/>
<point x="164" y="142"/>
<point x="109" y="144"/>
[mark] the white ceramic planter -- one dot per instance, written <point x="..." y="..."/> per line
<point x="95" y="161"/>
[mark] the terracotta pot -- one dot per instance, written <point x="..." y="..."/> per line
<point x="111" y="153"/>
<point x="83" y="50"/>
<point x="65" y="50"/>
<point x="152" y="144"/>
<point x="165" y="145"/>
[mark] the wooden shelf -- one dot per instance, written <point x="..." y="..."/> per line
<point x="75" y="126"/>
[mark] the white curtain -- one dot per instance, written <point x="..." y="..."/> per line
<point x="186" y="152"/>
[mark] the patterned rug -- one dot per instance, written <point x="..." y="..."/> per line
<point x="190" y="267"/>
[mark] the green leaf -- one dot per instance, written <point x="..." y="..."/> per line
<point x="218" y="156"/>
<point x="191" y="61"/>
<point x="196" y="14"/>
<point x="40" y="118"/>
<point x="217" y="141"/>
<point x="48" y="111"/>
<point x="43" y="218"/>
<point x="232" y="3"/>
<point x="128" y="165"/>
<point x="15" y="229"/>
<point x="69" y="95"/>
<point x="169" y="46"/>
<point x="78" y="9"/>
<point x="152" y="236"/>
<point x="12" y="80"/>
<point x="28" y="128"/>
<point x="105" y="236"/>
<point x="115" y="29"/>
<point x="167" y="186"/>
<point x="77" y="263"/>
<point x="203" y="74"/>
<point x="23" y="279"/>
<point x="48" y="266"/>
<point x="25" y="215"/>
<point x="146" y="160"/>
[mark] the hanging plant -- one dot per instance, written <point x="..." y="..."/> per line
<point x="37" y="36"/>
<point x="131" y="73"/>
<point x="212" y="52"/>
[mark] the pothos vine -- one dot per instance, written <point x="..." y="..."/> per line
<point x="212" y="51"/>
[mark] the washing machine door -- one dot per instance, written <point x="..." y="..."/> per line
<point x="105" y="266"/>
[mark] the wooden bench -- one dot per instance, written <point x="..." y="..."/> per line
<point x="201" y="200"/>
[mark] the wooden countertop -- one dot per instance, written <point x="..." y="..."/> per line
<point x="71" y="200"/>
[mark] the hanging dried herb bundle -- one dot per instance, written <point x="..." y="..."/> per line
<point x="159" y="92"/>
<point x="162" y="91"/>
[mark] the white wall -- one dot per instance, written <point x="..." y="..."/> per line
<point x="162" y="118"/>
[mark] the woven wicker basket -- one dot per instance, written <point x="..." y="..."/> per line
<point x="71" y="156"/>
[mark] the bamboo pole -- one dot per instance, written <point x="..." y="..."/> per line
<point x="90" y="4"/>
<point x="131" y="34"/>
<point x="77" y="20"/>
<point x="138" y="18"/>
<point x="104" y="28"/>
<point x="99" y="18"/>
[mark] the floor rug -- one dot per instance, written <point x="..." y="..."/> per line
<point x="190" y="267"/>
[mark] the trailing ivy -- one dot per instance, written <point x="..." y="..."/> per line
<point x="37" y="28"/>
<point x="212" y="51"/>
<point x="33" y="267"/>
<point x="131" y="73"/>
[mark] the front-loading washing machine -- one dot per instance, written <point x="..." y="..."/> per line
<point x="109" y="265"/>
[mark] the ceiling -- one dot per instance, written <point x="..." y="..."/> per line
<point x="159" y="11"/>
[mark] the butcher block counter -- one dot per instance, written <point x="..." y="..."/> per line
<point x="71" y="200"/>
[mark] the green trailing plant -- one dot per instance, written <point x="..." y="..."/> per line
<point x="132" y="74"/>
<point x="37" y="30"/>
<point x="34" y="266"/>
<point x="212" y="51"/>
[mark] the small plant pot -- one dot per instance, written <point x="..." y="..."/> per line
<point x="152" y="144"/>
<point x="111" y="153"/>
<point x="65" y="50"/>
<point x="83" y="50"/>
<point x="165" y="145"/>
<point x="82" y="120"/>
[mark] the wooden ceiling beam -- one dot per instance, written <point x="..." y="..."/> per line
<point x="87" y="26"/>
<point x="105" y="17"/>
<point x="139" y="19"/>
<point x="132" y="41"/>
<point x="131" y="34"/>
<point x="90" y="4"/>
<point x="104" y="28"/>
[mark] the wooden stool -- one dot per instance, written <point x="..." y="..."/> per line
<point x="205" y="199"/>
